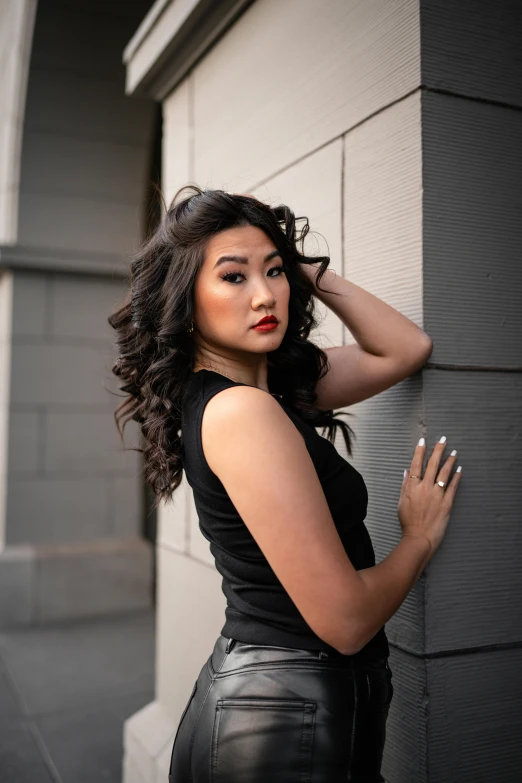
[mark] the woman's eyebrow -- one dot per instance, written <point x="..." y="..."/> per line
<point x="243" y="259"/>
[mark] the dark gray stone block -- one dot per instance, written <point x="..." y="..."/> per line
<point x="455" y="718"/>
<point x="472" y="231"/>
<point x="474" y="581"/>
<point x="405" y="751"/>
<point x="472" y="48"/>
<point x="474" y="719"/>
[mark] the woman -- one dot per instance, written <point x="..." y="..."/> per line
<point x="298" y="685"/>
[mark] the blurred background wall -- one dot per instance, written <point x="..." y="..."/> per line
<point x="395" y="126"/>
<point x="77" y="158"/>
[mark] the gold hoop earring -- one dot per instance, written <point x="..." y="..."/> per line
<point x="191" y="328"/>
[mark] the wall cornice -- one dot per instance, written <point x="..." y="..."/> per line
<point x="171" y="39"/>
<point x="36" y="259"/>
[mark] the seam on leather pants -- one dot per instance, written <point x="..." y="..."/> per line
<point x="298" y="665"/>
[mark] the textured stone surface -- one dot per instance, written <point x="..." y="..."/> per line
<point x="382" y="218"/>
<point x="316" y="75"/>
<point x="177" y="140"/>
<point x="471" y="48"/>
<point x="312" y="189"/>
<point x="475" y="579"/>
<point x="472" y="231"/>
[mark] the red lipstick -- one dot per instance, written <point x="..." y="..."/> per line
<point x="266" y="324"/>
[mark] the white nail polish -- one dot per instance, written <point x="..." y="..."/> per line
<point x="421" y="442"/>
<point x="443" y="439"/>
<point x="458" y="469"/>
<point x="453" y="453"/>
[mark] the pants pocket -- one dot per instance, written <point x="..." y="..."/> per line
<point x="257" y="739"/>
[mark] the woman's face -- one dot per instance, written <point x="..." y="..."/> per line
<point x="231" y="296"/>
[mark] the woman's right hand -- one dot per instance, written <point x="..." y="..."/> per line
<point x="424" y="507"/>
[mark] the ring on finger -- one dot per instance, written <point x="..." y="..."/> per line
<point x="441" y="484"/>
<point x="414" y="477"/>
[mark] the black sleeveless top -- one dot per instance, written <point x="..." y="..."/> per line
<point x="259" y="610"/>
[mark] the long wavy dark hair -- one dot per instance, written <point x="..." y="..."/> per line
<point x="155" y="350"/>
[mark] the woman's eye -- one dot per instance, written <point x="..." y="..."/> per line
<point x="228" y="275"/>
<point x="280" y="268"/>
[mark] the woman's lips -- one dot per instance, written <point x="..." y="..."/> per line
<point x="266" y="327"/>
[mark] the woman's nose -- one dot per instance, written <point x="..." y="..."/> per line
<point x="264" y="294"/>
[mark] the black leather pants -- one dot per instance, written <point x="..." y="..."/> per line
<point x="266" y="714"/>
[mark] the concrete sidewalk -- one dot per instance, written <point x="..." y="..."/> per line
<point x="65" y="691"/>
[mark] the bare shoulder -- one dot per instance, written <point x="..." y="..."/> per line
<point x="245" y="422"/>
<point x="261" y="458"/>
<point x="238" y="410"/>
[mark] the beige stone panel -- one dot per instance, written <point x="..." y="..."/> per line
<point x="164" y="759"/>
<point x="289" y="77"/>
<point x="173" y="519"/>
<point x="176" y="142"/>
<point x="8" y="213"/>
<point x="383" y="207"/>
<point x="147" y="735"/>
<point x="191" y="613"/>
<point x="312" y="188"/>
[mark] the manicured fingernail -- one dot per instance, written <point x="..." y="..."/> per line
<point x="453" y="453"/>
<point x="458" y="469"/>
<point x="443" y="439"/>
<point x="405" y="471"/>
<point x="421" y="442"/>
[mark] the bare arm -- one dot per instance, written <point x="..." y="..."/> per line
<point x="387" y="584"/>
<point x="261" y="459"/>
